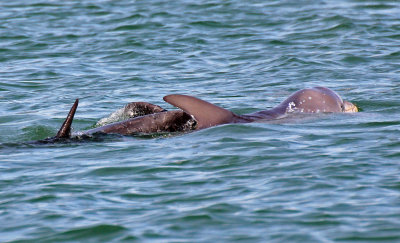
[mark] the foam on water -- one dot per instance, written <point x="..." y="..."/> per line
<point x="116" y="116"/>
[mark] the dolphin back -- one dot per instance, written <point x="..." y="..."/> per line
<point x="205" y="113"/>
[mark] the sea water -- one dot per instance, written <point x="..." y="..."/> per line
<point x="325" y="178"/>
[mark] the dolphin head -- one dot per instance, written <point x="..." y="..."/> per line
<point x="315" y="100"/>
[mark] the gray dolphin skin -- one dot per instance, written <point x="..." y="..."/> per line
<point x="196" y="114"/>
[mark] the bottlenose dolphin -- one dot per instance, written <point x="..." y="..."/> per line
<point x="196" y="114"/>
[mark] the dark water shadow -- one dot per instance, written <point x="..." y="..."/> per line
<point x="85" y="139"/>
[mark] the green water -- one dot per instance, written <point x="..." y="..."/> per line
<point x="326" y="178"/>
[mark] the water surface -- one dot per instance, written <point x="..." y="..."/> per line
<point x="330" y="178"/>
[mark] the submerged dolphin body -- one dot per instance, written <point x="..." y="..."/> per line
<point x="195" y="114"/>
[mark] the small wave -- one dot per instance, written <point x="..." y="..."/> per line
<point x="91" y="231"/>
<point x="210" y="24"/>
<point x="116" y="116"/>
<point x="381" y="6"/>
<point x="354" y="59"/>
<point x="138" y="26"/>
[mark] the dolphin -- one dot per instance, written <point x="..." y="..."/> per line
<point x="196" y="114"/>
<point x="312" y="100"/>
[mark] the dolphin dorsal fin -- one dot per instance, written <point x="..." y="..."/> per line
<point x="65" y="130"/>
<point x="205" y="113"/>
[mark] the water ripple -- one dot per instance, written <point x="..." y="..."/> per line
<point x="330" y="177"/>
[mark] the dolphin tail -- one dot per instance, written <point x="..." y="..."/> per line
<point x="65" y="130"/>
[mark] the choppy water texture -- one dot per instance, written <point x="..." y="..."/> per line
<point x="328" y="178"/>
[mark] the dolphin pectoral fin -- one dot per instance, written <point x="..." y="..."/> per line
<point x="65" y="130"/>
<point x="205" y="113"/>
